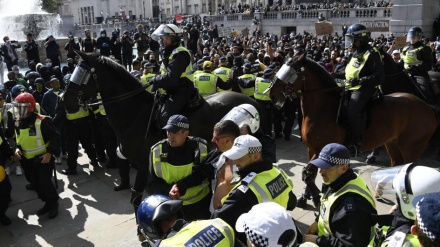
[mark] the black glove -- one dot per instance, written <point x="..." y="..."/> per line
<point x="135" y="198"/>
<point x="354" y="82"/>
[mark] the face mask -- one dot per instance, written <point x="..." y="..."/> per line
<point x="102" y="35"/>
<point x="152" y="60"/>
<point x="88" y="35"/>
<point x="16" y="72"/>
<point x="49" y="65"/>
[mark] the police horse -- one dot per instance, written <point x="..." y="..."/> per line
<point x="402" y="122"/>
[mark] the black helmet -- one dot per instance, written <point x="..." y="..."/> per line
<point x="356" y="32"/>
<point x="414" y="32"/>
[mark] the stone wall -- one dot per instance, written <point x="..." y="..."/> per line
<point x="22" y="54"/>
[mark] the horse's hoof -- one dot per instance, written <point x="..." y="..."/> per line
<point x="301" y="202"/>
<point x="371" y="160"/>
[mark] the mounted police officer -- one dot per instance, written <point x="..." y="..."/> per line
<point x="363" y="73"/>
<point x="176" y="71"/>
<point x="160" y="220"/>
<point x="417" y="60"/>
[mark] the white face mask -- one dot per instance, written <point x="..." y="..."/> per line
<point x="102" y="35"/>
<point x="49" y="64"/>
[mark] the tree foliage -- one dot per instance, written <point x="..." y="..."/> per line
<point x="49" y="6"/>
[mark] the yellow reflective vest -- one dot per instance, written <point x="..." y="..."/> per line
<point x="354" y="68"/>
<point x="32" y="144"/>
<point x="357" y="186"/>
<point x="396" y="239"/>
<point x="222" y="73"/>
<point x="81" y="113"/>
<point x="247" y="91"/>
<point x="261" y="84"/>
<point x="268" y="186"/>
<point x="188" y="73"/>
<point x="409" y="57"/>
<point x="172" y="173"/>
<point x="206" y="83"/>
<point x="209" y="233"/>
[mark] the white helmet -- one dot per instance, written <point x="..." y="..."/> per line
<point x="407" y="181"/>
<point x="244" y="114"/>
<point x="166" y="29"/>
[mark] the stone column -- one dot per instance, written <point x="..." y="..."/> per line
<point x="409" y="13"/>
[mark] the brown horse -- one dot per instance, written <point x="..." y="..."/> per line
<point x="402" y="122"/>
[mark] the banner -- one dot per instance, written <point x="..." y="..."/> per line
<point x="399" y="42"/>
<point x="377" y="26"/>
<point x="323" y="27"/>
<point x="179" y="18"/>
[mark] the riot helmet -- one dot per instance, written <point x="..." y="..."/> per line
<point x="24" y="105"/>
<point x="16" y="90"/>
<point x="414" y="34"/>
<point x="167" y="30"/>
<point x="406" y="182"/>
<point x="152" y="210"/>
<point x="244" y="114"/>
<point x="354" y="33"/>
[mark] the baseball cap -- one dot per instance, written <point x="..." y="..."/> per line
<point x="200" y="61"/>
<point x="268" y="224"/>
<point x="244" y="144"/>
<point x="223" y="59"/>
<point x="135" y="73"/>
<point x="428" y="214"/>
<point x="247" y="66"/>
<point x="396" y="52"/>
<point x="332" y="154"/>
<point x="148" y="65"/>
<point x="176" y="122"/>
<point x="207" y="64"/>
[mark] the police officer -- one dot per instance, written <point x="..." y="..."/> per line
<point x="160" y="219"/>
<point x="222" y="71"/>
<point x="207" y="82"/>
<point x="175" y="166"/>
<point x="426" y="227"/>
<point x="148" y="75"/>
<point x="88" y="44"/>
<point x="246" y="82"/>
<point x="259" y="181"/>
<point x="37" y="141"/>
<point x="363" y="73"/>
<point x="347" y="205"/>
<point x="176" y="77"/>
<point x="417" y="60"/>
<point x="407" y="183"/>
<point x="263" y="98"/>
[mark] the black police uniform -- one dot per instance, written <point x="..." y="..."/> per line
<point x="178" y="89"/>
<point x="5" y="185"/>
<point x="40" y="175"/>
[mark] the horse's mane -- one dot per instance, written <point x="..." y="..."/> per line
<point x="119" y="70"/>
<point x="326" y="80"/>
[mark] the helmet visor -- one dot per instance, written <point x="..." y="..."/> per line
<point x="382" y="181"/>
<point x="160" y="32"/>
<point x="20" y="110"/>
<point x="412" y="36"/>
<point x="349" y="40"/>
<point x="242" y="117"/>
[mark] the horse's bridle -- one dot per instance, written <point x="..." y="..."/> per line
<point x="81" y="76"/>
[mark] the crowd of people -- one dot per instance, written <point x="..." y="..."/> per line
<point x="232" y="194"/>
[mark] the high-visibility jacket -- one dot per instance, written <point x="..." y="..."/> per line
<point x="188" y="73"/>
<point x="172" y="173"/>
<point x="355" y="66"/>
<point x="209" y="233"/>
<point x="247" y="91"/>
<point x="261" y="84"/>
<point x="357" y="186"/>
<point x="222" y="73"/>
<point x="32" y="145"/>
<point x="81" y="113"/>
<point x="409" y="57"/>
<point x="396" y="239"/>
<point x="268" y="186"/>
<point x="206" y="83"/>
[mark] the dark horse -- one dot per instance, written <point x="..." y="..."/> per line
<point x="128" y="107"/>
<point x="402" y="122"/>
